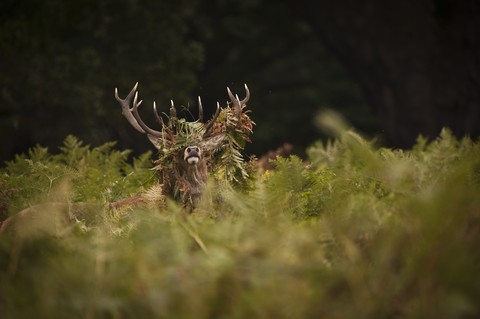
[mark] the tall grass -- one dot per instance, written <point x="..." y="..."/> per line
<point x="355" y="232"/>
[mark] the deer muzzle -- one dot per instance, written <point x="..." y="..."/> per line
<point x="192" y="155"/>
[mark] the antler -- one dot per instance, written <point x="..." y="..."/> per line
<point x="130" y="112"/>
<point x="209" y="125"/>
<point x="134" y="118"/>
<point x="200" y="110"/>
<point x="237" y="104"/>
<point x="126" y="111"/>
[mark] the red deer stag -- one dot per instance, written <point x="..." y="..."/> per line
<point x="191" y="151"/>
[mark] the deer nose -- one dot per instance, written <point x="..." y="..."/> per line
<point x="192" y="149"/>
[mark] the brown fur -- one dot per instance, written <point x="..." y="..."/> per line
<point x="181" y="180"/>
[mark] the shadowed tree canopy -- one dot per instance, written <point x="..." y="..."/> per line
<point x="393" y="68"/>
<point x="61" y="61"/>
<point x="417" y="62"/>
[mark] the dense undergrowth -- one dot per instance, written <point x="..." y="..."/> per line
<point x="355" y="232"/>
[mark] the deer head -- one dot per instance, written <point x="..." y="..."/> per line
<point x="189" y="151"/>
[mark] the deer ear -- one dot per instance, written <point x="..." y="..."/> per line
<point x="212" y="142"/>
<point x="156" y="141"/>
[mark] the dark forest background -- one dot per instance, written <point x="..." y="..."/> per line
<point x="394" y="69"/>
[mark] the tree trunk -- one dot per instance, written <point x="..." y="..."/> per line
<point x="417" y="61"/>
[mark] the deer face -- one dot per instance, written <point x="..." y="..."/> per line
<point x="192" y="155"/>
<point x="189" y="149"/>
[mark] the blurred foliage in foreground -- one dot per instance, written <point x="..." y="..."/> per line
<point x="359" y="232"/>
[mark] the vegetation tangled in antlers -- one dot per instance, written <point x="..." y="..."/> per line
<point x="190" y="151"/>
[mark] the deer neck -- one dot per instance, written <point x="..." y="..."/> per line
<point x="195" y="176"/>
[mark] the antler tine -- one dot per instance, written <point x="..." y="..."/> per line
<point x="230" y="94"/>
<point x="168" y="136"/>
<point x="235" y="98"/>
<point x="173" y="116"/>
<point x="158" y="117"/>
<point x="200" y="110"/>
<point x="235" y="101"/>
<point x="140" y="121"/>
<point x="126" y="111"/>
<point x="212" y="121"/>
<point x="238" y="104"/>
<point x="173" y="110"/>
<point x="247" y="96"/>
<point x="237" y="107"/>
<point x="129" y="96"/>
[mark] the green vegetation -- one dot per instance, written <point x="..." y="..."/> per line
<point x="357" y="232"/>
